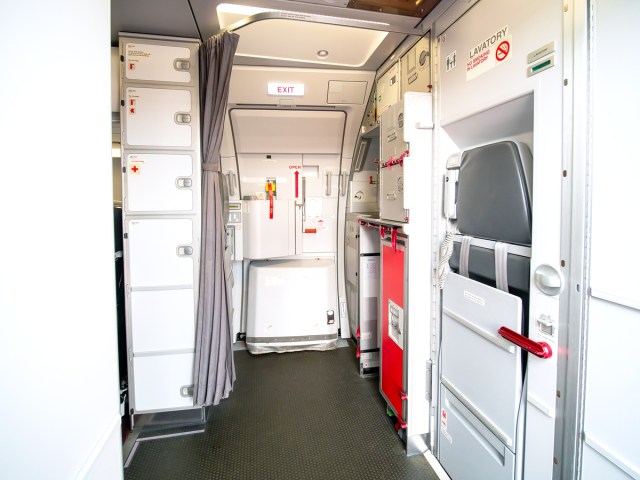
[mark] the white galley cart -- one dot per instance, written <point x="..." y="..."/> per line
<point x="362" y="253"/>
<point x="161" y="217"/>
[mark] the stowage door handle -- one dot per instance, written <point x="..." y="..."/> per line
<point x="539" y="349"/>
<point x="184" y="250"/>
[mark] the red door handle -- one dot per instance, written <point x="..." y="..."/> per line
<point x="539" y="349"/>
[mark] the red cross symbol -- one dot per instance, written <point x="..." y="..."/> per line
<point x="134" y="169"/>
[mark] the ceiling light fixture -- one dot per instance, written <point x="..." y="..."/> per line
<point x="241" y="11"/>
<point x="322" y="54"/>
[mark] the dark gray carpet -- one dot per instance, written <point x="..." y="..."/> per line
<point x="304" y="415"/>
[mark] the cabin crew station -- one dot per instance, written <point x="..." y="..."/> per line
<point x="406" y="196"/>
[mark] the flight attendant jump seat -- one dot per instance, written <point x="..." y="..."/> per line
<point x="291" y="306"/>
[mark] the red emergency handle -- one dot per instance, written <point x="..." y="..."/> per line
<point x="539" y="349"/>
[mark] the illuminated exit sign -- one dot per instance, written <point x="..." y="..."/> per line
<point x="286" y="89"/>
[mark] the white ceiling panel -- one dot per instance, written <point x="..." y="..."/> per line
<point x="291" y="40"/>
<point x="287" y="131"/>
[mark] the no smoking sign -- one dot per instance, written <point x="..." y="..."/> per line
<point x="489" y="54"/>
<point x="503" y="50"/>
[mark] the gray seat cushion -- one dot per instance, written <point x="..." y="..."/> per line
<point x="494" y="193"/>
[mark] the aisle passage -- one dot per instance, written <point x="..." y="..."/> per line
<point x="304" y="415"/>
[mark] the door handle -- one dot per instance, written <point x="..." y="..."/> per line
<point x="343" y="183"/>
<point x="304" y="199"/>
<point x="539" y="349"/>
<point x="232" y="182"/>
<point x="327" y="190"/>
<point x="184" y="250"/>
<point x="548" y="280"/>
<point x="184" y="182"/>
<point x="182" y="118"/>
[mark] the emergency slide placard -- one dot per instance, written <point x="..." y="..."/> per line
<point x="488" y="53"/>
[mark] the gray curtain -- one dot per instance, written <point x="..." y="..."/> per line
<point x="214" y="372"/>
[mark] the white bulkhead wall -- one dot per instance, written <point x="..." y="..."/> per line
<point x="249" y="87"/>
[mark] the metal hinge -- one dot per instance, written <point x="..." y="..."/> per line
<point x="428" y="388"/>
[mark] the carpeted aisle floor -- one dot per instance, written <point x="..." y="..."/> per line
<point x="304" y="415"/>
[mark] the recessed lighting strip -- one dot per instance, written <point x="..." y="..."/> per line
<point x="258" y="14"/>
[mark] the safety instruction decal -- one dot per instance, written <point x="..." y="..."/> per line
<point x="135" y="165"/>
<point x="296" y="169"/>
<point x="396" y="323"/>
<point x="132" y="100"/>
<point x="443" y="425"/>
<point x="134" y="54"/>
<point x="450" y="61"/>
<point x="490" y="52"/>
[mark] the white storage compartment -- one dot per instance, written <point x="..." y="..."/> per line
<point x="393" y="151"/>
<point x="160" y="252"/>
<point x="163" y="382"/>
<point x="392" y="203"/>
<point x="159" y="117"/>
<point x="148" y="60"/>
<point x="291" y="306"/>
<point x="388" y="89"/>
<point x="159" y="114"/>
<point x="392" y="133"/>
<point x="369" y="301"/>
<point x="416" y="72"/>
<point x="269" y="235"/>
<point x="164" y="320"/>
<point x="159" y="182"/>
